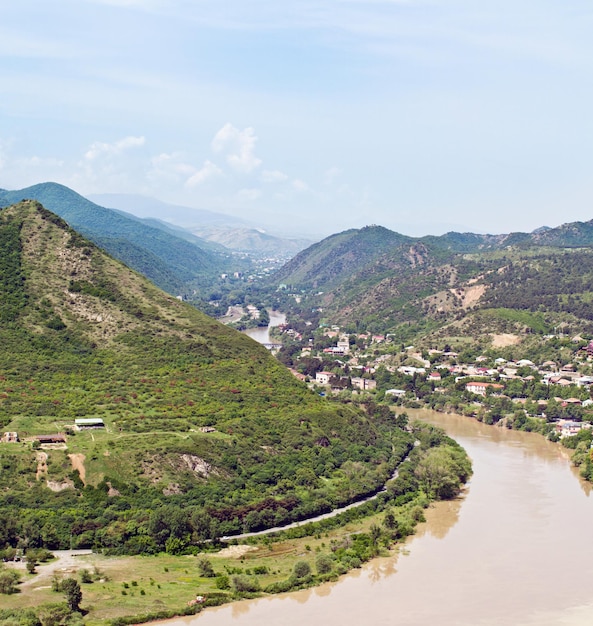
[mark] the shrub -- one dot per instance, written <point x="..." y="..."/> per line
<point x="205" y="568"/>
<point x="9" y="579"/>
<point x="222" y="582"/>
<point x="324" y="564"/>
<point x="244" y="584"/>
<point x="301" y="569"/>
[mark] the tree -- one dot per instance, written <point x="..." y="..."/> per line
<point x="71" y="589"/>
<point x="8" y="581"/>
<point x="301" y="569"/>
<point x="205" y="568"/>
<point x="324" y="564"/>
<point x="442" y="471"/>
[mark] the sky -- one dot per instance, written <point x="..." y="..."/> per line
<point x="423" y="116"/>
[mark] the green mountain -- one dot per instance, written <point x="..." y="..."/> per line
<point x="204" y="432"/>
<point x="381" y="281"/>
<point x="170" y="261"/>
<point x="328" y="263"/>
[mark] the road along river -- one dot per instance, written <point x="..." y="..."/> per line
<point x="514" y="550"/>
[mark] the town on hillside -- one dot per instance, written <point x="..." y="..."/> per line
<point x="552" y="396"/>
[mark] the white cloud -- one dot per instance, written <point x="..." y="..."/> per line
<point x="208" y="170"/>
<point x="238" y="146"/>
<point x="249" y="195"/>
<point x="300" y="185"/>
<point x="99" y="148"/>
<point x="331" y="174"/>
<point x="273" y="176"/>
<point x="171" y="165"/>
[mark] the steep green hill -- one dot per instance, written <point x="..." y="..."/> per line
<point x="170" y="261"/>
<point x="328" y="263"/>
<point x="425" y="284"/>
<point x="206" y="433"/>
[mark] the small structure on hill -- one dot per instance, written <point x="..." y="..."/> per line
<point x="88" y="423"/>
<point x="56" y="438"/>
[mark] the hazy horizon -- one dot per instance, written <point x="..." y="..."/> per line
<point x="423" y="117"/>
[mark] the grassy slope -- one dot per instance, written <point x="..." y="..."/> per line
<point x="86" y="337"/>
<point x="169" y="261"/>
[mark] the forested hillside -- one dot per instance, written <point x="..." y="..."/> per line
<point x="171" y="262"/>
<point x="204" y="432"/>
<point x="411" y="287"/>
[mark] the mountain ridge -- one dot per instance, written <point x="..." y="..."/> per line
<point x="174" y="262"/>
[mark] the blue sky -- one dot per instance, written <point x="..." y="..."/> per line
<point x="422" y="116"/>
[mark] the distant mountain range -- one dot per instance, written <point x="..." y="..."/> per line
<point x="232" y="232"/>
<point x="172" y="259"/>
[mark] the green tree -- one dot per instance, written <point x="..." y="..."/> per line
<point x="442" y="471"/>
<point x="324" y="564"/>
<point x="9" y="579"/>
<point x="71" y="589"/>
<point x="301" y="569"/>
<point x="205" y="568"/>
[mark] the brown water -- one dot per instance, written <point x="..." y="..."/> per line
<point x="513" y="550"/>
<point x="262" y="335"/>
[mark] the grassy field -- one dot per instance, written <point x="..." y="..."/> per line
<point x="134" y="586"/>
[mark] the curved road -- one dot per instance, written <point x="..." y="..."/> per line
<point x="318" y="518"/>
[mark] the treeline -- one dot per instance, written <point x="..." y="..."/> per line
<point x="12" y="276"/>
<point x="555" y="282"/>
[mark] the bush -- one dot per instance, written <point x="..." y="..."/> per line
<point x="205" y="568"/>
<point x="301" y="569"/>
<point x="324" y="564"/>
<point x="222" y="582"/>
<point x="9" y="579"/>
<point x="244" y="584"/>
<point x="85" y="576"/>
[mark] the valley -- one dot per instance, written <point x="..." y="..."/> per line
<point x="138" y="427"/>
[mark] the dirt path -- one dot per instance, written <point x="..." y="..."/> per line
<point x="66" y="562"/>
<point x="78" y="464"/>
<point x="41" y="465"/>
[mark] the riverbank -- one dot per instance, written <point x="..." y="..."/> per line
<point x="506" y="554"/>
<point x="137" y="589"/>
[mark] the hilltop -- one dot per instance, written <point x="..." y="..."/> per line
<point x="173" y="261"/>
<point x="460" y="284"/>
<point x="204" y="432"/>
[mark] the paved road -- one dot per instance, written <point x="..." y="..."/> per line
<point x="318" y="518"/>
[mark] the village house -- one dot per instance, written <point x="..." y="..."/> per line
<point x="323" y="378"/>
<point x="10" y="437"/>
<point x="410" y="371"/>
<point x="569" y="428"/>
<point x="88" y="423"/>
<point x="365" y="384"/>
<point x="344" y="344"/>
<point x="481" y="388"/>
<point x="397" y="393"/>
<point x="47" y="439"/>
<point x="434" y="377"/>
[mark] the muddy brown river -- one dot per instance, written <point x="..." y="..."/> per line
<point x="513" y="550"/>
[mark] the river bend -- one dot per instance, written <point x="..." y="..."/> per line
<point x="514" y="550"/>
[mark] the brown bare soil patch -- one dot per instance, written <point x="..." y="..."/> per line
<point x="504" y="340"/>
<point x="78" y="464"/>
<point x="236" y="551"/>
